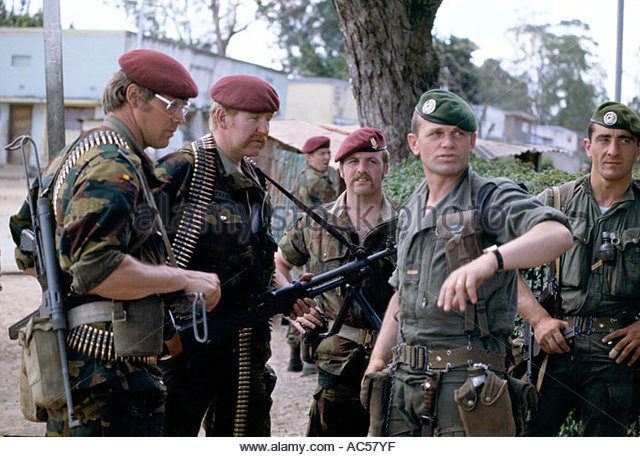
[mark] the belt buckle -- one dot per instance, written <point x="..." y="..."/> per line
<point x="416" y="350"/>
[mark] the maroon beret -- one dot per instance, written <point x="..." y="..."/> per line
<point x="366" y="139"/>
<point x="314" y="143"/>
<point x="246" y="93"/>
<point x="158" y="72"/>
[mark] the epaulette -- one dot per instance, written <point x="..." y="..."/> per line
<point x="93" y="140"/>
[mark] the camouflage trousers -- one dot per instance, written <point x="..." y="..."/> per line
<point x="336" y="409"/>
<point x="585" y="379"/>
<point x="106" y="412"/>
<point x="202" y="388"/>
<point x="407" y="404"/>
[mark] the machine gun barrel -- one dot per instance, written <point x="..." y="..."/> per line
<point x="224" y="320"/>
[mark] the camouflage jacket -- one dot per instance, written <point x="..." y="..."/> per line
<point x="315" y="188"/>
<point x="306" y="243"/>
<point x="236" y="241"/>
<point x="610" y="290"/>
<point x="101" y="215"/>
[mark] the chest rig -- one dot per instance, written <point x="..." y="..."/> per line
<point x="461" y="233"/>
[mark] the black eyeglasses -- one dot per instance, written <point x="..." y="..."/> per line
<point x="175" y="105"/>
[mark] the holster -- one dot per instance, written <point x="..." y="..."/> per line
<point x="374" y="396"/>
<point x="486" y="410"/>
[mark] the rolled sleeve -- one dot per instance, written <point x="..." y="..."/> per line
<point x="293" y="246"/>
<point x="511" y="212"/>
<point x="91" y="270"/>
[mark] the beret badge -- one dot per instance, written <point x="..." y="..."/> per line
<point x="374" y="143"/>
<point x="429" y="106"/>
<point x="610" y="118"/>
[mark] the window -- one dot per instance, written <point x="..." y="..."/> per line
<point x="20" y="60"/>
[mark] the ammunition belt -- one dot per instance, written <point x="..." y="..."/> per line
<point x="200" y="196"/>
<point x="91" y="141"/>
<point x="420" y="358"/>
<point x="585" y="325"/>
<point x="98" y="344"/>
<point x="361" y="336"/>
<point x="97" y="311"/>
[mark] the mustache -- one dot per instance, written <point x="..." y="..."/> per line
<point x="261" y="138"/>
<point x="360" y="175"/>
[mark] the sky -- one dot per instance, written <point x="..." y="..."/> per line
<point x="484" y="22"/>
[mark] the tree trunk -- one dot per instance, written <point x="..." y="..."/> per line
<point x="391" y="62"/>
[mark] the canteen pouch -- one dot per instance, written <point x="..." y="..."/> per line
<point x="138" y="327"/>
<point x="41" y="383"/>
<point x="374" y="396"/>
<point x="30" y="410"/>
<point x="486" y="410"/>
<point x="458" y="232"/>
<point x="523" y="399"/>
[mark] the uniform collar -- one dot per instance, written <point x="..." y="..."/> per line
<point x="238" y="180"/>
<point x="338" y="209"/>
<point x="113" y="123"/>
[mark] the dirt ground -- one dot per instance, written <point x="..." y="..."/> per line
<point x="21" y="295"/>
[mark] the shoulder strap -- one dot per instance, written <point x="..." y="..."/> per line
<point x="199" y="197"/>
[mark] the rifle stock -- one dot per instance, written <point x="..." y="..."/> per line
<point x="228" y="318"/>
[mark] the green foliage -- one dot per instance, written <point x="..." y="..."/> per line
<point x="308" y="31"/>
<point x="559" y="69"/>
<point x="18" y="15"/>
<point x="404" y="177"/>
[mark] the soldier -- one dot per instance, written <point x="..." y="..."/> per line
<point x="455" y="306"/>
<point x="599" y="286"/>
<point x="107" y="248"/>
<point x="341" y="359"/>
<point x="234" y="241"/>
<point x="315" y="186"/>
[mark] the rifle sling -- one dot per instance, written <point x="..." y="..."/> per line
<point x="355" y="251"/>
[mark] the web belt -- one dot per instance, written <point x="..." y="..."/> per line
<point x="420" y="358"/>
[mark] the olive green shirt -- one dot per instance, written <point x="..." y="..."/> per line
<point x="611" y="288"/>
<point x="506" y="212"/>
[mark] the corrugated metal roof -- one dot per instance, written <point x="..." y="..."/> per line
<point x="491" y="149"/>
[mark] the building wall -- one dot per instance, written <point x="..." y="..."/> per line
<point x="89" y="60"/>
<point x="321" y="100"/>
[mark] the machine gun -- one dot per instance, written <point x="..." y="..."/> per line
<point x="39" y="241"/>
<point x="226" y="319"/>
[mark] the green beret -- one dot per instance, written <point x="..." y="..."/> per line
<point x="615" y="115"/>
<point x="444" y="107"/>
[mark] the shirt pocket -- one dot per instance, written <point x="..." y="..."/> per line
<point x="328" y="252"/>
<point x="410" y="284"/>
<point x="576" y="261"/>
<point x="625" y="277"/>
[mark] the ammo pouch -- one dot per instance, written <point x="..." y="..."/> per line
<point x="459" y="231"/>
<point x="374" y="396"/>
<point x="41" y="382"/>
<point x="486" y="410"/>
<point x="138" y="327"/>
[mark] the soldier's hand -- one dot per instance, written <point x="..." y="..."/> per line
<point x="462" y="283"/>
<point x="206" y="283"/>
<point x="301" y="307"/>
<point x="548" y="334"/>
<point x="311" y="319"/>
<point x="628" y="346"/>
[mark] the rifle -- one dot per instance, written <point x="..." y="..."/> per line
<point x="40" y="242"/>
<point x="228" y="318"/>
